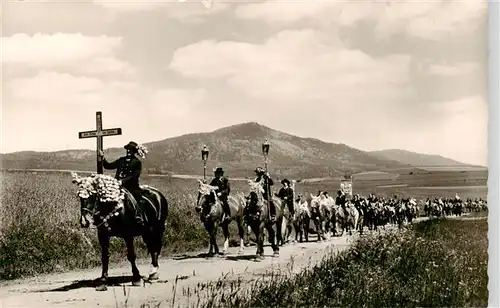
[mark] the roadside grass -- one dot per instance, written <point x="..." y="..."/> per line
<point x="434" y="263"/>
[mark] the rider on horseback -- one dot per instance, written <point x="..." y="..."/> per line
<point x="128" y="170"/>
<point x="286" y="194"/>
<point x="341" y="199"/>
<point x="268" y="182"/>
<point x="223" y="190"/>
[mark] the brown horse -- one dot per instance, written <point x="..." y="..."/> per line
<point x="260" y="222"/>
<point x="302" y="221"/>
<point x="337" y="220"/>
<point x="321" y="215"/>
<point x="116" y="217"/>
<point x="211" y="212"/>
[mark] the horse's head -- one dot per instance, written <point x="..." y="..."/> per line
<point x="206" y="196"/>
<point x="87" y="196"/>
<point x="315" y="200"/>
<point x="256" y="193"/>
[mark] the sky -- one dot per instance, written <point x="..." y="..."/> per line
<point x="409" y="75"/>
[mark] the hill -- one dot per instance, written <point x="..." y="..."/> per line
<point x="237" y="148"/>
<point x="416" y="159"/>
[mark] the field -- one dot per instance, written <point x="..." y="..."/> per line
<point x="434" y="263"/>
<point x="39" y="230"/>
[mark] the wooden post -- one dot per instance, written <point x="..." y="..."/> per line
<point x="99" y="133"/>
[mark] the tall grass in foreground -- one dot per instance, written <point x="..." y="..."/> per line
<point x="436" y="263"/>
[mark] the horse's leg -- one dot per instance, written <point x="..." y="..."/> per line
<point x="318" y="224"/>
<point x="241" y="233"/>
<point x="273" y="240"/>
<point x="208" y="227"/>
<point x="225" y="231"/>
<point x="298" y="231"/>
<point x="306" y="229"/>
<point x="129" y="242"/>
<point x="280" y="240"/>
<point x="248" y="231"/>
<point x="154" y="243"/>
<point x="259" y="235"/>
<point x="215" y="228"/>
<point x="104" y="243"/>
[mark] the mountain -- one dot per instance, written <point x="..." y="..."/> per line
<point x="236" y="148"/>
<point x="416" y="159"/>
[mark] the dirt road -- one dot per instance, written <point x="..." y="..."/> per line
<point x="76" y="289"/>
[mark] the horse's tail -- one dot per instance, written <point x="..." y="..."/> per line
<point x="164" y="206"/>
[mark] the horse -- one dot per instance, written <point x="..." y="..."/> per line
<point x="302" y="221"/>
<point x="412" y="212"/>
<point x="370" y="217"/>
<point x="320" y="214"/>
<point x="242" y="199"/>
<point x="361" y="219"/>
<point x="211" y="212"/>
<point x="401" y="209"/>
<point x="287" y="223"/>
<point x="260" y="222"/>
<point x="111" y="209"/>
<point x="351" y="217"/>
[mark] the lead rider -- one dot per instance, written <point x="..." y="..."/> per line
<point x="128" y="170"/>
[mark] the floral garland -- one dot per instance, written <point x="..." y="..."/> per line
<point x="142" y="151"/>
<point x="107" y="188"/>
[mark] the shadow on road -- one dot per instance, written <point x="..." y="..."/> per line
<point x="198" y="256"/>
<point x="80" y="284"/>
<point x="241" y="258"/>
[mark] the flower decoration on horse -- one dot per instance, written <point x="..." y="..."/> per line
<point x="104" y="186"/>
<point x="142" y="151"/>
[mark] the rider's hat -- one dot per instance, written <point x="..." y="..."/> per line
<point x="259" y="170"/>
<point x="219" y="170"/>
<point x="131" y="146"/>
<point x="285" y="181"/>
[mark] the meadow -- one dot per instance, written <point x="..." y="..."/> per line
<point x="40" y="232"/>
<point x="434" y="263"/>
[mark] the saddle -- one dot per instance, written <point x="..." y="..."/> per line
<point x="138" y="205"/>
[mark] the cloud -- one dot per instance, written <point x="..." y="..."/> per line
<point x="50" y="108"/>
<point x="284" y="12"/>
<point x="291" y="66"/>
<point x="91" y="54"/>
<point x="464" y="129"/>
<point x="432" y="20"/>
<point x="436" y="20"/>
<point x="188" y="11"/>
<point x="453" y="70"/>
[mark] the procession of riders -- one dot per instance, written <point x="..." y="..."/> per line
<point x="119" y="206"/>
<point x="329" y="215"/>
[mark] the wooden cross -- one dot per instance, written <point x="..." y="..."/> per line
<point x="99" y="133"/>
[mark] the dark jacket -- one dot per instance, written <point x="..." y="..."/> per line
<point x="340" y="200"/>
<point x="268" y="182"/>
<point x="223" y="185"/>
<point x="128" y="171"/>
<point x="286" y="194"/>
